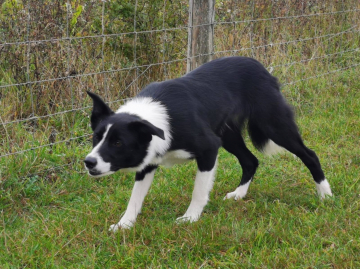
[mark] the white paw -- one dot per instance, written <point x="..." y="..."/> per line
<point x="113" y="228"/>
<point x="324" y="189"/>
<point x="236" y="195"/>
<point x="325" y="196"/>
<point x="188" y="218"/>
<point x="122" y="224"/>
<point x="239" y="193"/>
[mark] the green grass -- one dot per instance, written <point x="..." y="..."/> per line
<point x="60" y="218"/>
<point x="53" y="215"/>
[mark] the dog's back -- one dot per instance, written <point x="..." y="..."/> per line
<point x="223" y="92"/>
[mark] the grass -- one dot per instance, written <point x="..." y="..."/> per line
<point x="53" y="215"/>
<point x="60" y="218"/>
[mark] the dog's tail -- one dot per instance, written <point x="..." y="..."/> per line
<point x="262" y="142"/>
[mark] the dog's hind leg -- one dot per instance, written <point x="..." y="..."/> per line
<point x="287" y="136"/>
<point x="204" y="181"/>
<point x="234" y="143"/>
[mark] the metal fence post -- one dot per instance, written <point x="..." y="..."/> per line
<point x="200" y="32"/>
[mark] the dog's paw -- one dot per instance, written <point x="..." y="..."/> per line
<point x="324" y="196"/>
<point x="239" y="193"/>
<point x="324" y="189"/>
<point x="187" y="218"/>
<point x="113" y="228"/>
<point x="192" y="214"/>
<point x="122" y="224"/>
<point x="235" y="195"/>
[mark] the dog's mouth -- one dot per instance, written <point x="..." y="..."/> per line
<point x="95" y="173"/>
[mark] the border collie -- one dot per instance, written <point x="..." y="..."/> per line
<point x="191" y="117"/>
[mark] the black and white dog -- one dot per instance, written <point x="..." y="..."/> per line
<point x="191" y="118"/>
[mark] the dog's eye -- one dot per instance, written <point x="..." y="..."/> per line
<point x="117" y="143"/>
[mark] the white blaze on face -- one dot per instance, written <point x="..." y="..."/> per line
<point x="101" y="166"/>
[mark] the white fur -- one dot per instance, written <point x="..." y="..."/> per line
<point x="101" y="166"/>
<point x="271" y="148"/>
<point x="324" y="189"/>
<point x="155" y="113"/>
<point x="203" y="184"/>
<point x="172" y="157"/>
<point x="240" y="192"/>
<point x="138" y="194"/>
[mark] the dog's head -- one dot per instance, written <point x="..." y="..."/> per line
<point x="120" y="140"/>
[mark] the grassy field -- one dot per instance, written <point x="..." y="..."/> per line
<point x="53" y="215"/>
<point x="60" y="219"/>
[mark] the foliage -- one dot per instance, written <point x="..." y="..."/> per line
<point x="53" y="215"/>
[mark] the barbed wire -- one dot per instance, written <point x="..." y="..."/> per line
<point x="172" y="29"/>
<point x="44" y="146"/>
<point x="321" y="75"/>
<point x="314" y="58"/>
<point x="178" y="60"/>
<point x="89" y="134"/>
<point x="184" y="59"/>
<point x="351" y="27"/>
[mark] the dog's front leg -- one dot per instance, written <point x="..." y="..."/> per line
<point x="203" y="184"/>
<point x="143" y="181"/>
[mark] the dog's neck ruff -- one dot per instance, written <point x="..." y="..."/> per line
<point x="156" y="113"/>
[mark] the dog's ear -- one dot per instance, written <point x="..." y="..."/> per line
<point x="145" y="130"/>
<point x="100" y="110"/>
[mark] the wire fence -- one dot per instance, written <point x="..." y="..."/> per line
<point x="51" y="54"/>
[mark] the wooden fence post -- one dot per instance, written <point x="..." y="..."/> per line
<point x="200" y="32"/>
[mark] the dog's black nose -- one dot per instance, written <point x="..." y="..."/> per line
<point x="90" y="162"/>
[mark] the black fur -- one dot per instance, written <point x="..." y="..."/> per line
<point x="191" y="118"/>
<point x="133" y="134"/>
<point x="208" y="108"/>
<point x="146" y="170"/>
<point x="213" y="102"/>
<point x="100" y="110"/>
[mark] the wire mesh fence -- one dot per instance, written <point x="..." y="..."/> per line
<point x="50" y="54"/>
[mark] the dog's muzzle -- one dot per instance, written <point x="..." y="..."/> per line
<point x="90" y="162"/>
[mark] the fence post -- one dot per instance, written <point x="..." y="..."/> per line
<point x="200" y="32"/>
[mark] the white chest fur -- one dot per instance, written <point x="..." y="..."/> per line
<point x="173" y="157"/>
